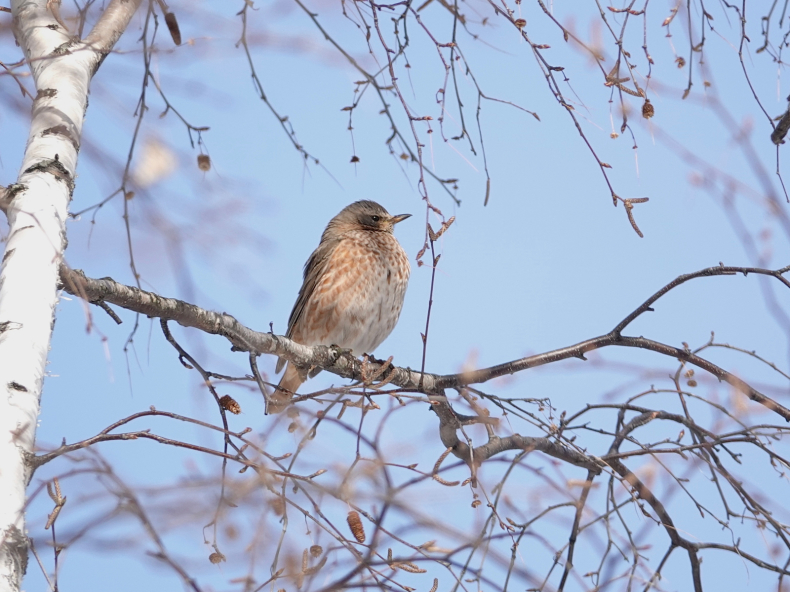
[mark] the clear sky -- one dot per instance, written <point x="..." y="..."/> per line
<point x="547" y="263"/>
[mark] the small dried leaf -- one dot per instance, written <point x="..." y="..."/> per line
<point x="309" y="571"/>
<point x="779" y="133"/>
<point x="277" y="505"/>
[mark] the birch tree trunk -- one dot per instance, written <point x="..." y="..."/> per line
<point x="37" y="206"/>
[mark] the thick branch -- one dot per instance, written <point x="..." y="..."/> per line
<point x="343" y="364"/>
<point x="4" y="200"/>
<point x="188" y="315"/>
<point x="111" y="25"/>
<point x="495" y="445"/>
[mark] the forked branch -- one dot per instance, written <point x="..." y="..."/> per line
<point x="341" y="363"/>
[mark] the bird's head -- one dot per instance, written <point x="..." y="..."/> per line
<point x="364" y="215"/>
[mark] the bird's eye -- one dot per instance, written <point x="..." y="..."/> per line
<point x="375" y="218"/>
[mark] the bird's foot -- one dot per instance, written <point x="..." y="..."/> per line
<point x="373" y="359"/>
<point x="341" y="351"/>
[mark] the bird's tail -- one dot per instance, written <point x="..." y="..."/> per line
<point x="282" y="395"/>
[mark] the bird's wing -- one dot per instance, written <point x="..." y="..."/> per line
<point x="313" y="270"/>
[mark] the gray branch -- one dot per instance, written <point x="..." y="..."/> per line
<point x="341" y="363"/>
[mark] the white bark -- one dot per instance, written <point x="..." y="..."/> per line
<point x="62" y="68"/>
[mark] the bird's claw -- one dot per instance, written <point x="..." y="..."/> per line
<point x="341" y="351"/>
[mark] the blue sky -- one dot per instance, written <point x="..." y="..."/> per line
<point x="547" y="263"/>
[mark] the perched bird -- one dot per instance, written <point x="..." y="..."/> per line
<point x="353" y="289"/>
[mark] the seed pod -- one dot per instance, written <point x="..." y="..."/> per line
<point x="648" y="110"/>
<point x="172" y="26"/>
<point x="204" y="162"/>
<point x="228" y="403"/>
<point x="355" y="524"/>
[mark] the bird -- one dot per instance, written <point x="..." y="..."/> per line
<point x="352" y="293"/>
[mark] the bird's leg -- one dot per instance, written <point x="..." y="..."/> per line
<point x="338" y="351"/>
<point x="314" y="371"/>
<point x="341" y="351"/>
<point x="375" y="360"/>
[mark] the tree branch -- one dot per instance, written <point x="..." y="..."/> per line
<point x="4" y="199"/>
<point x="110" y="26"/>
<point x="341" y="363"/>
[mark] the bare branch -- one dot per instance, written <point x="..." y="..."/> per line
<point x="343" y="364"/>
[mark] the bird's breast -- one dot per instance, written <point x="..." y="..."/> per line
<point x="360" y="296"/>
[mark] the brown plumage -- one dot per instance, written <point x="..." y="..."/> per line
<point x="353" y="289"/>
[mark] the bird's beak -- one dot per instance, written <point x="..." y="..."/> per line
<point x="399" y="218"/>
